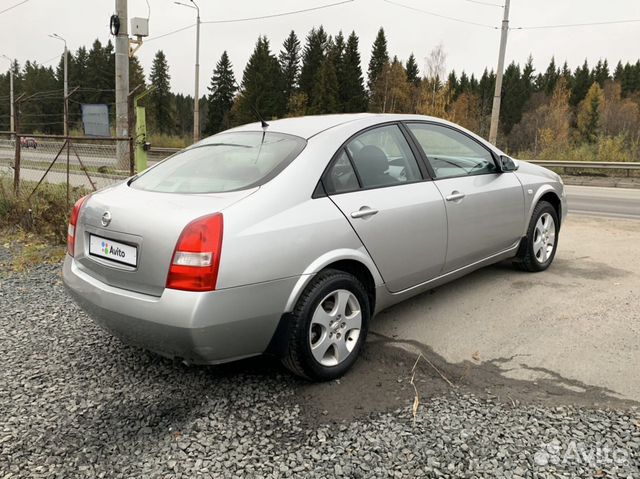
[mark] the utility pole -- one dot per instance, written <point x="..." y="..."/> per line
<point x="122" y="85"/>
<point x="196" y="95"/>
<point x="66" y="82"/>
<point x="495" y="110"/>
<point x="12" y="111"/>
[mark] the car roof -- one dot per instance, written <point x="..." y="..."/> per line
<point x="309" y="126"/>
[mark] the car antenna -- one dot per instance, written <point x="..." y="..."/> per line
<point x="263" y="123"/>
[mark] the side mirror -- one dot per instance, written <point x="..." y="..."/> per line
<point x="507" y="164"/>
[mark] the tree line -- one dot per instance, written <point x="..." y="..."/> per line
<point x="550" y="112"/>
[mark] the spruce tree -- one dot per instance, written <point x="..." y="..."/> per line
<point x="160" y="100"/>
<point x="601" y="72"/>
<point x="97" y="74"/>
<point x="452" y="82"/>
<point x="581" y="83"/>
<point x="136" y="74"/>
<point x="513" y="98"/>
<point x="289" y="59"/>
<point x="617" y="75"/>
<point x="312" y="58"/>
<point x="411" y="67"/>
<point x="262" y="86"/>
<point x="527" y="77"/>
<point x="547" y="81"/>
<point x="379" y="58"/>
<point x="222" y="92"/>
<point x="353" y="96"/>
<point x="325" y="94"/>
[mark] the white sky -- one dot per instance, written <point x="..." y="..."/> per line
<point x="24" y="30"/>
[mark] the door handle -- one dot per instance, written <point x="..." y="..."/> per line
<point x="363" y="212"/>
<point x="455" y="196"/>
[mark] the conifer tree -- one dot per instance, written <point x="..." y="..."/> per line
<point x="289" y="59"/>
<point x="379" y="58"/>
<point x="547" y="81"/>
<point x="222" y="91"/>
<point x="312" y="58"/>
<point x="353" y="96"/>
<point x="160" y="100"/>
<point x="262" y="86"/>
<point x="581" y="83"/>
<point x="411" y="67"/>
<point x="136" y="73"/>
<point x="325" y="94"/>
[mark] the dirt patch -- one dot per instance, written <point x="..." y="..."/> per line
<point x="587" y="268"/>
<point x="380" y="381"/>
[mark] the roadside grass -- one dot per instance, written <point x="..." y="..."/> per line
<point x="26" y="250"/>
<point x="161" y="140"/>
<point x="44" y="215"/>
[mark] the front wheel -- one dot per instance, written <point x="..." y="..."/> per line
<point x="542" y="238"/>
<point x="327" y="327"/>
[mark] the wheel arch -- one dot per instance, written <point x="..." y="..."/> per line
<point x="552" y="198"/>
<point x="355" y="262"/>
<point x="545" y="193"/>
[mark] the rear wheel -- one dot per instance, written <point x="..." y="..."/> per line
<point x="542" y="238"/>
<point x="328" y="326"/>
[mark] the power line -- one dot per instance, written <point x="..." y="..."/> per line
<point x="488" y="4"/>
<point x="460" y="20"/>
<point x="50" y="59"/>
<point x="14" y="6"/>
<point x="170" y="33"/>
<point x="284" y="14"/>
<point x="249" y="19"/>
<point x="571" y="25"/>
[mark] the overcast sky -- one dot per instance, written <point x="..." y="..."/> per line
<point x="24" y="30"/>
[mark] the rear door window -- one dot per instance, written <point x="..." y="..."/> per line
<point x="224" y="162"/>
<point x="382" y="157"/>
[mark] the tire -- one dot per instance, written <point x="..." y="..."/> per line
<point x="542" y="239"/>
<point x="322" y="347"/>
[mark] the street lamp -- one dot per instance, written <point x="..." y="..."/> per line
<point x="196" y="99"/>
<point x="12" y="121"/>
<point x="66" y="85"/>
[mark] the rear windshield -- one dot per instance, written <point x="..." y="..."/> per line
<point x="225" y="162"/>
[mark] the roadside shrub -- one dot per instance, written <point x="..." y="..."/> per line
<point x="162" y="140"/>
<point x="46" y="213"/>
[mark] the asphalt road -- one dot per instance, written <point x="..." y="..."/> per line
<point x="573" y="329"/>
<point x="609" y="202"/>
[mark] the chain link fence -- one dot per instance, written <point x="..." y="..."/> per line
<point x="29" y="163"/>
<point x="41" y="176"/>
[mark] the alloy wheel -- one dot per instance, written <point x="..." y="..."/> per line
<point x="335" y="327"/>
<point x="544" y="238"/>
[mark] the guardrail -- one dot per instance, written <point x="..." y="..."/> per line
<point x="592" y="165"/>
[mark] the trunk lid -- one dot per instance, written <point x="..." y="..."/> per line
<point x="147" y="226"/>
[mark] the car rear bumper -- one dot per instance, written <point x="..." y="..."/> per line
<point x="199" y="328"/>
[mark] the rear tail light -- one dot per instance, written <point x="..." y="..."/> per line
<point x="73" y="221"/>
<point x="196" y="259"/>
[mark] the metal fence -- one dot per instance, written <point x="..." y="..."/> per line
<point x="77" y="164"/>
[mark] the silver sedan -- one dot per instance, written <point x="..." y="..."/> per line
<point x="288" y="238"/>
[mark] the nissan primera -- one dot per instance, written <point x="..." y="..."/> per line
<point x="288" y="238"/>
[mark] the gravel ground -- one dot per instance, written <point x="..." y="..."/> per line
<point x="75" y="402"/>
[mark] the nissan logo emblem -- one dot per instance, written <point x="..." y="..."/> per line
<point x="106" y="218"/>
